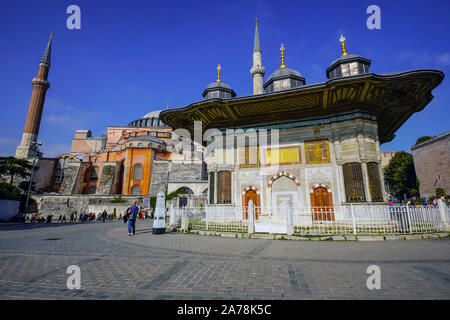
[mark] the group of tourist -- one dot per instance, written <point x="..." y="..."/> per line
<point x="413" y="202"/>
<point x="91" y="217"/>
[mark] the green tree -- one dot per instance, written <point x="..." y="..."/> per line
<point x="9" y="191"/>
<point x="401" y="175"/>
<point x="423" y="139"/>
<point x="11" y="167"/>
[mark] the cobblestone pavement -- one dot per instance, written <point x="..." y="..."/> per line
<point x="34" y="258"/>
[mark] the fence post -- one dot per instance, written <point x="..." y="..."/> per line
<point x="353" y="218"/>
<point x="251" y="217"/>
<point x="441" y="206"/>
<point x="184" y="220"/>
<point x="409" y="218"/>
<point x="290" y="222"/>
<point x="206" y="217"/>
<point x="172" y="215"/>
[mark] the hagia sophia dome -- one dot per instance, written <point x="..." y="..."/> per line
<point x="150" y="119"/>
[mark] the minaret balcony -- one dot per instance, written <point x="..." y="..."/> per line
<point x="257" y="70"/>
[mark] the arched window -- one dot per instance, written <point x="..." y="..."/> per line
<point x="140" y="145"/>
<point x="94" y="174"/>
<point x="185" y="190"/>
<point x="137" y="172"/>
<point x="136" y="190"/>
<point x="91" y="174"/>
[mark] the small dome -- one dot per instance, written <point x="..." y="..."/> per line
<point x="148" y="139"/>
<point x="151" y="119"/>
<point x="283" y="79"/>
<point x="222" y="85"/>
<point x="284" y="73"/>
<point x="153" y="114"/>
<point x="218" y="90"/>
<point x="349" y="65"/>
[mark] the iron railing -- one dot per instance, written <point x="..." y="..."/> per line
<point x="344" y="219"/>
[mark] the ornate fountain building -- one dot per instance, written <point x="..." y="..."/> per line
<point x="306" y="145"/>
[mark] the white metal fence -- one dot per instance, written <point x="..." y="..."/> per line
<point x="345" y="219"/>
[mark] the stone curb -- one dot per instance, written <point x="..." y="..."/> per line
<point x="322" y="238"/>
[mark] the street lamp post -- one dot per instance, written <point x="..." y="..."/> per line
<point x="36" y="144"/>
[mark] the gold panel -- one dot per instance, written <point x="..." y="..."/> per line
<point x="285" y="155"/>
<point x="248" y="157"/>
<point x="317" y="151"/>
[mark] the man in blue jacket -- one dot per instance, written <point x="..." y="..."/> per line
<point x="133" y="212"/>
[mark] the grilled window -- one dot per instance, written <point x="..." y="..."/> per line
<point x="211" y="187"/>
<point x="353" y="181"/>
<point x="374" y="182"/>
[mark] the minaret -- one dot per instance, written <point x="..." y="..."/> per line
<point x="27" y="147"/>
<point x="257" y="71"/>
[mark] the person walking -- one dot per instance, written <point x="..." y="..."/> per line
<point x="133" y="212"/>
<point x="424" y="202"/>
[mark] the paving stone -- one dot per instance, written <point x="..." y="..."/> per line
<point x="413" y="237"/>
<point x="186" y="266"/>
<point x="370" y="238"/>
<point x="390" y="237"/>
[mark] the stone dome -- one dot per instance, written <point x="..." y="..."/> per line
<point x="150" y="119"/>
<point x="283" y="79"/>
<point x="349" y="65"/>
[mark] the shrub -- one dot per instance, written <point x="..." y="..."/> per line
<point x="440" y="192"/>
<point x="118" y="199"/>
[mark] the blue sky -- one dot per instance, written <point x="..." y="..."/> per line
<point x="132" y="57"/>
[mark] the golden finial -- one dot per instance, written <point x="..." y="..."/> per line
<point x="218" y="72"/>
<point x="342" y="40"/>
<point x="51" y="35"/>
<point x="256" y="21"/>
<point x="282" y="48"/>
<point x="167" y="105"/>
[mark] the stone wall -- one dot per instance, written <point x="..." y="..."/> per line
<point x="70" y="178"/>
<point x="44" y="175"/>
<point x="106" y="183"/>
<point x="182" y="171"/>
<point x="159" y="177"/>
<point x="60" y="204"/>
<point x="431" y="158"/>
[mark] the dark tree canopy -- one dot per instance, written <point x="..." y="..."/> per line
<point x="423" y="139"/>
<point x="11" y="167"/>
<point x="401" y="175"/>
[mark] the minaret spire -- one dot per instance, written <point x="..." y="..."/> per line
<point x="257" y="71"/>
<point x="48" y="51"/>
<point x="257" y="43"/>
<point x="27" y="147"/>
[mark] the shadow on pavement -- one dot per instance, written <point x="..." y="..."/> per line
<point x="29" y="226"/>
